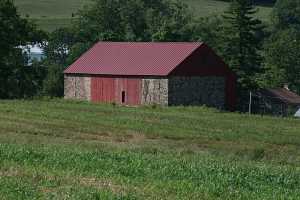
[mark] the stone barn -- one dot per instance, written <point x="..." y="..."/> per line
<point x="137" y="73"/>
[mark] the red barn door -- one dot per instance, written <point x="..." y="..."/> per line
<point x="128" y="91"/>
<point x="102" y="90"/>
<point x="125" y="91"/>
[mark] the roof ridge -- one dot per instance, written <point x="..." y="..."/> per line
<point x="150" y="42"/>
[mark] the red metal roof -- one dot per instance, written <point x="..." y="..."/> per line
<point x="133" y="58"/>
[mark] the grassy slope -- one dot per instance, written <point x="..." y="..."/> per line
<point x="205" y="8"/>
<point x="50" y="14"/>
<point x="72" y="150"/>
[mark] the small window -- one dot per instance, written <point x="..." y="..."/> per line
<point x="123" y="96"/>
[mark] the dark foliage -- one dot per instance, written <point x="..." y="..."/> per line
<point x="241" y="46"/>
<point x="282" y="49"/>
<point x="17" y="80"/>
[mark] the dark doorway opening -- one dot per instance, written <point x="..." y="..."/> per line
<point x="123" y="96"/>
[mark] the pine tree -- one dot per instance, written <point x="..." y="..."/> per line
<point x="242" y="44"/>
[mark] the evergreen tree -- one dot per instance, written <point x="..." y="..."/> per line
<point x="241" y="45"/>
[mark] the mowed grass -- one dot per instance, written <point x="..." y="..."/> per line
<point x="52" y="14"/>
<point x="204" y="8"/>
<point x="57" y="149"/>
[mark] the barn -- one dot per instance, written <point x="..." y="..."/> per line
<point x="145" y="73"/>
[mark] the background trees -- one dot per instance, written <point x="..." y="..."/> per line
<point x="57" y="54"/>
<point x="282" y="48"/>
<point x="16" y="80"/>
<point x="286" y="14"/>
<point x="133" y="20"/>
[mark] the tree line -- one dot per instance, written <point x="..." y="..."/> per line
<point x="261" y="54"/>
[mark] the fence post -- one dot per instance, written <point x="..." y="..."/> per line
<point x="250" y="103"/>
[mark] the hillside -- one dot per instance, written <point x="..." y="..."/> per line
<point x="51" y="14"/>
<point x="60" y="149"/>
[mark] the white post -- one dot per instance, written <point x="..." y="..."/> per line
<point x="250" y="103"/>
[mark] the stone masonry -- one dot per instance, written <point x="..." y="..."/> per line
<point x="154" y="91"/>
<point x="208" y="91"/>
<point x="77" y="87"/>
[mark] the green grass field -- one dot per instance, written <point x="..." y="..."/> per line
<point x="51" y="14"/>
<point x="57" y="149"/>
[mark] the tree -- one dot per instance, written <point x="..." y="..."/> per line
<point x="14" y="32"/>
<point x="241" y="44"/>
<point x="286" y="14"/>
<point x="53" y="85"/>
<point x="283" y="59"/>
<point x="102" y="20"/>
<point x="134" y="20"/>
<point x="169" y="21"/>
<point x="209" y="30"/>
<point x="57" y="52"/>
<point x="282" y="49"/>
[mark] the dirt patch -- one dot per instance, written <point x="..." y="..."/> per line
<point x="95" y="136"/>
<point x="11" y="172"/>
<point x="97" y="183"/>
<point x="67" y="180"/>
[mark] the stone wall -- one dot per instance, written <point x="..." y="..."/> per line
<point x="154" y="91"/>
<point x="208" y="91"/>
<point x="77" y="87"/>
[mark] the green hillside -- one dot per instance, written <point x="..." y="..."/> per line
<point x="50" y="14"/>
<point x="60" y="149"/>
